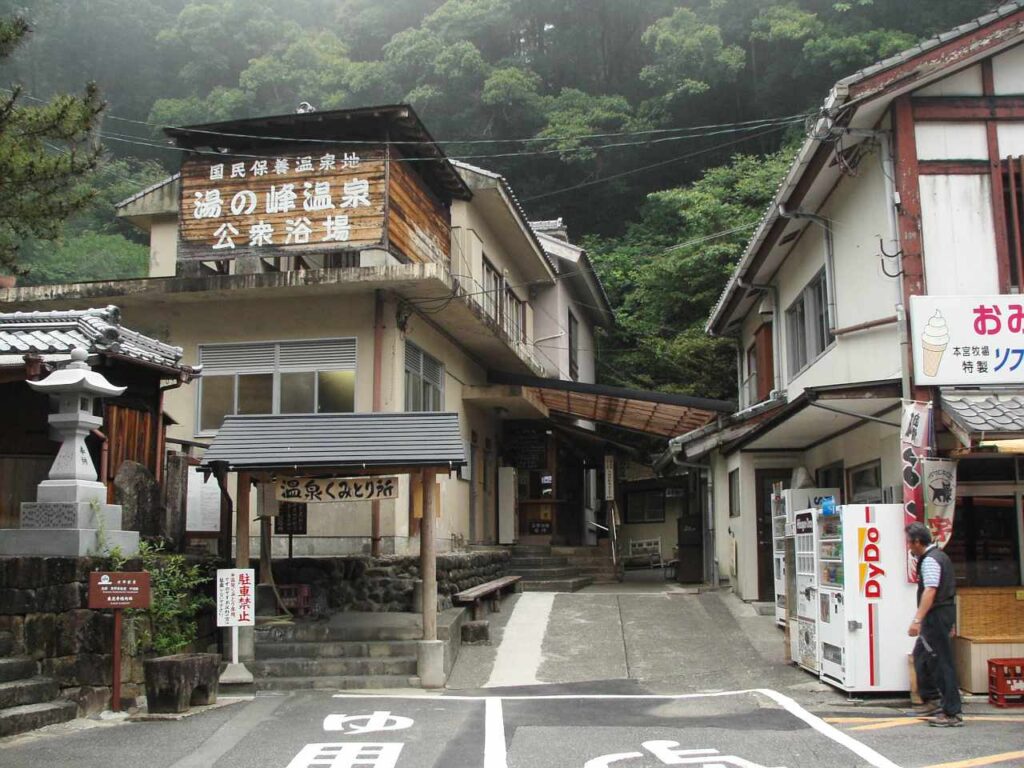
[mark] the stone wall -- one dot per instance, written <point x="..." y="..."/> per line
<point x="44" y="605"/>
<point x="385" y="584"/>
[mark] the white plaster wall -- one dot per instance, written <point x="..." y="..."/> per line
<point x="1008" y="72"/>
<point x="667" y="531"/>
<point x="483" y="241"/>
<point x="163" y="247"/>
<point x="862" y="291"/>
<point x="1010" y="137"/>
<point x="951" y="141"/>
<point x="958" y="235"/>
<point x="964" y="83"/>
<point x="866" y="443"/>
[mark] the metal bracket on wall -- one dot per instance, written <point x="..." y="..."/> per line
<point x="886" y="255"/>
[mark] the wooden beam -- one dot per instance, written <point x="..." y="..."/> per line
<point x="996" y="176"/>
<point x="973" y="108"/>
<point x="953" y="167"/>
<point x="428" y="557"/>
<point x="242" y="521"/>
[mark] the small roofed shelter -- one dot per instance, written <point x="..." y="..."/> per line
<point x="326" y="450"/>
<point x="32" y="345"/>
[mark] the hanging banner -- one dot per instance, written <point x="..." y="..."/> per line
<point x="940" y="498"/>
<point x="915" y="437"/>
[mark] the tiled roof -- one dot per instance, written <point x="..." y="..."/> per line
<point x="52" y="336"/>
<point x="989" y="413"/>
<point x="547" y="225"/>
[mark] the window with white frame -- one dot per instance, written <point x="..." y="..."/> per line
<point x="315" y="376"/>
<point x="750" y="379"/>
<point x="492" y="289"/>
<point x="807" y="325"/>
<point x="574" y="347"/>
<point x="515" y="316"/>
<point x="424" y="380"/>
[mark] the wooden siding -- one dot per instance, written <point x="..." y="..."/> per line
<point x="419" y="227"/>
<point x="197" y="236"/>
<point x="132" y="435"/>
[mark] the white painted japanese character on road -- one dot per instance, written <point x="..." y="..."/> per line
<point x="298" y="230"/>
<point x="355" y="194"/>
<point x="359" y="724"/>
<point x="261" y="233"/>
<point x="281" y="199"/>
<point x="669" y="753"/>
<point x="317" y="196"/>
<point x="208" y="204"/>
<point x="224" y="233"/>
<point x="338" y="229"/>
<point x="347" y="756"/>
<point x="243" y="203"/>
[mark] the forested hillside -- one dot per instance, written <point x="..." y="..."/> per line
<point x="609" y="113"/>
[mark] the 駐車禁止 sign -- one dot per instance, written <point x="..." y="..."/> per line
<point x="967" y="340"/>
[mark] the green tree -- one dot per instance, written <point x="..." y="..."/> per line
<point x="44" y="150"/>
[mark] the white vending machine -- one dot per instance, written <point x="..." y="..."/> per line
<point x="785" y="504"/>
<point x="865" y="600"/>
<point x="803" y="626"/>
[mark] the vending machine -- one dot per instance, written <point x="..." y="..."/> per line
<point x="865" y="601"/>
<point x="785" y="504"/>
<point x="803" y="629"/>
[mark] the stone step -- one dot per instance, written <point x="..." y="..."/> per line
<point x="35" y="690"/>
<point x="537" y="562"/>
<point x="28" y="717"/>
<point x="334" y="650"/>
<point x="321" y="632"/>
<point x="339" y="683"/>
<point x="598" y="551"/>
<point x="560" y="585"/>
<point x="16" y="668"/>
<point x="545" y="574"/>
<point x="6" y="643"/>
<point x="530" y="550"/>
<point x="343" y="667"/>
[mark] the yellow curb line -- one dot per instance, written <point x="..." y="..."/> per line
<point x="990" y="760"/>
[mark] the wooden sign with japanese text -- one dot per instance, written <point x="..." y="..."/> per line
<point x="316" y="198"/>
<point x="290" y="519"/>
<point x="119" y="589"/>
<point x="335" y="489"/>
<point x="236" y="597"/>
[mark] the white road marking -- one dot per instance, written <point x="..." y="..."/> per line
<point x="873" y="758"/>
<point x="519" y="655"/>
<point x="495" y="755"/>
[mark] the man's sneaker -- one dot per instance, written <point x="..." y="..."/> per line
<point x="947" y="721"/>
<point x="927" y="708"/>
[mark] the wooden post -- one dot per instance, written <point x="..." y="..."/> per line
<point x="242" y="522"/>
<point x="428" y="558"/>
<point x="115" y="693"/>
<point x="378" y="401"/>
<point x="266" y="576"/>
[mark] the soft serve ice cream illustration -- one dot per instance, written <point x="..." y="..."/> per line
<point x="934" y="341"/>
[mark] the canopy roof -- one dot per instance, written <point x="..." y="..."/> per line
<point x="350" y="441"/>
<point x="978" y="416"/>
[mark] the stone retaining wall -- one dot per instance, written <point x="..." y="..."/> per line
<point x="385" y="584"/>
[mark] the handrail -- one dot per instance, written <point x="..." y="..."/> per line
<point x="597" y="525"/>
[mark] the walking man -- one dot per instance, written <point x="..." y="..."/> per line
<point x="932" y="625"/>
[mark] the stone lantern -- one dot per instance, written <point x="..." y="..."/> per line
<point x="70" y="516"/>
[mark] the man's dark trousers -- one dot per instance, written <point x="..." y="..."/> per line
<point x="936" y="677"/>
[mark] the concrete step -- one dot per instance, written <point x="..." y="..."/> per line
<point x="537" y="562"/>
<point x="6" y="643"/>
<point x="35" y="690"/>
<point x="545" y="574"/>
<point x="375" y="649"/>
<point x="598" y="551"/>
<point x="28" y="717"/>
<point x="340" y="683"/>
<point x="320" y="632"/>
<point x="343" y="667"/>
<point x="560" y="585"/>
<point x="530" y="550"/>
<point x="16" y="669"/>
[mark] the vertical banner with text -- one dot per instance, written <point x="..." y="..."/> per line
<point x="915" y="439"/>
<point x="940" y="498"/>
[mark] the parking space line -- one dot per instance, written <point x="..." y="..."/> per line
<point x="495" y="755"/>
<point x="889" y="722"/>
<point x="979" y="761"/>
<point x="519" y="657"/>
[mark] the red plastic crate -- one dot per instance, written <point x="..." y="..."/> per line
<point x="298" y="598"/>
<point x="1006" y="682"/>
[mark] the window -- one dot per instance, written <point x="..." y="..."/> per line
<point x="492" y="289"/>
<point x="645" y="506"/>
<point x="865" y="483"/>
<point x="807" y="325"/>
<point x="749" y="391"/>
<point x="424" y="380"/>
<point x="574" y="347"/>
<point x="515" y="316"/>
<point x="734" y="493"/>
<point x="317" y="376"/>
<point x="831" y="476"/>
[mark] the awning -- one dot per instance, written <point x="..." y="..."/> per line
<point x="821" y="414"/>
<point x="977" y="416"/>
<point x="351" y="441"/>
<point x="636" y="410"/>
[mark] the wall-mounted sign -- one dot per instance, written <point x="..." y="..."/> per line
<point x="320" y="200"/>
<point x="334" y="489"/>
<point x="118" y="589"/>
<point x="236" y="594"/>
<point x="290" y="519"/>
<point x="609" y="477"/>
<point x="967" y="340"/>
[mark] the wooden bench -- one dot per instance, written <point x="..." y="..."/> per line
<point x="489" y="591"/>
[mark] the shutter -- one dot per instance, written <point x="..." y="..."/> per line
<point x="323" y="354"/>
<point x="433" y="371"/>
<point x="237" y="358"/>
<point x="413" y="358"/>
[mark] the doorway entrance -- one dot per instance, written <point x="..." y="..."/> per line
<point x="764" y="479"/>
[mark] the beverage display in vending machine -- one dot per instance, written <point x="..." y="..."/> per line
<point x="785" y="504"/>
<point x="865" y="603"/>
<point x="803" y="630"/>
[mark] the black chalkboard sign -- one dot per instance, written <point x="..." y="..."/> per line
<point x="291" y="519"/>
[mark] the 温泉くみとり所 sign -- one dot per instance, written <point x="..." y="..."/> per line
<point x="967" y="340"/>
<point x="328" y="489"/>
